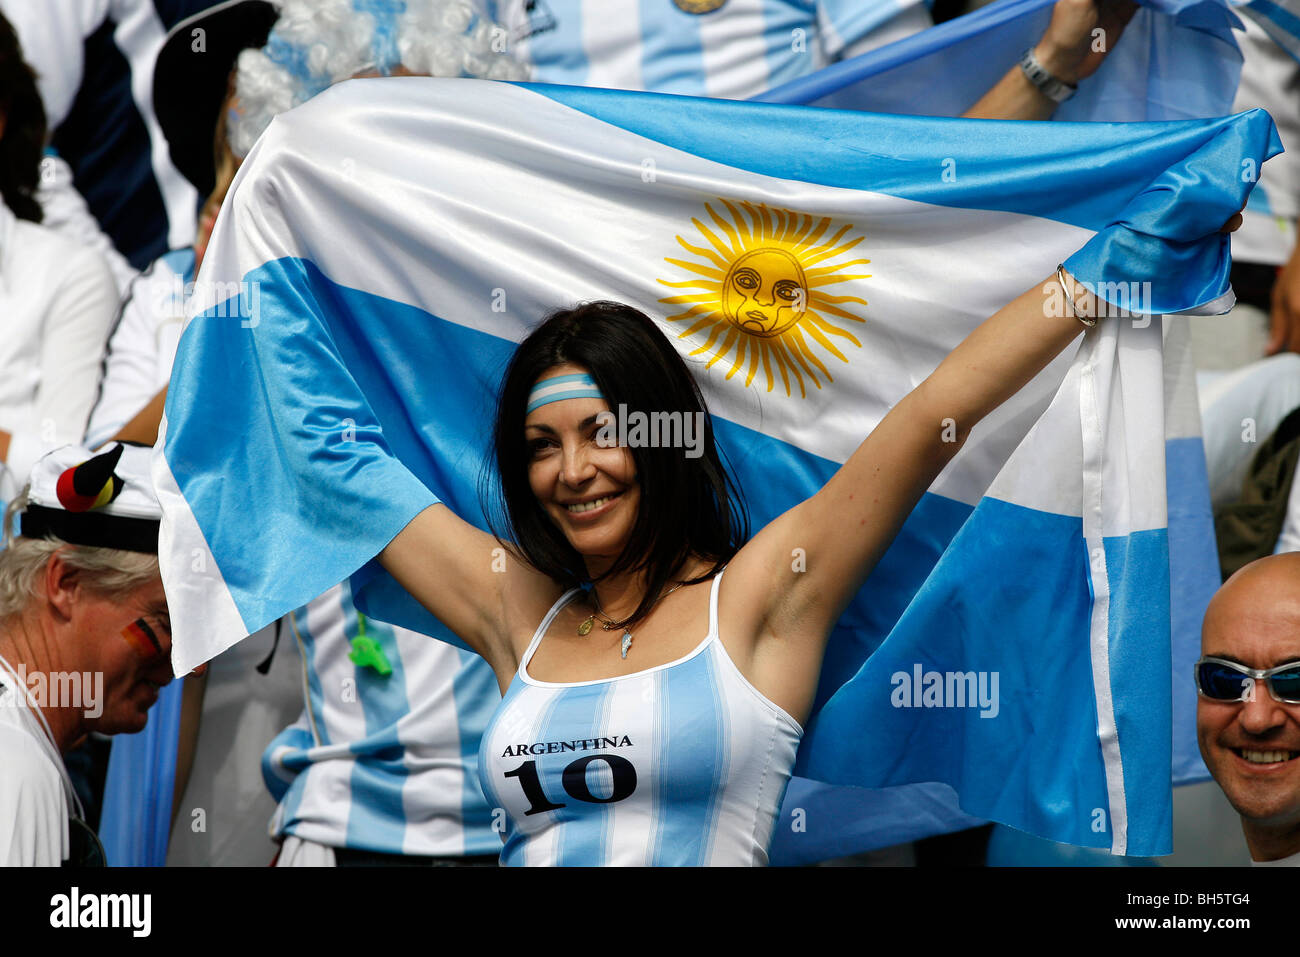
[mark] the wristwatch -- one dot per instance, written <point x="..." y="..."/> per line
<point x="1058" y="91"/>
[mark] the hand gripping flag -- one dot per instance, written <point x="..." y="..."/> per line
<point x="1176" y="59"/>
<point x="386" y="245"/>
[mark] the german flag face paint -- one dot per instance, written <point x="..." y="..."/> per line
<point x="140" y="636"/>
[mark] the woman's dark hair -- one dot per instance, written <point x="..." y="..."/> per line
<point x="689" y="506"/>
<point x="22" y="143"/>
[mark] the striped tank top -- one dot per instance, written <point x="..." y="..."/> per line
<point x="682" y="764"/>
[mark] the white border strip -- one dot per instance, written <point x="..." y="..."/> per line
<point x="1099" y="632"/>
<point x="196" y="592"/>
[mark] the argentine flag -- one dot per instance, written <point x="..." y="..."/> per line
<point x="386" y="245"/>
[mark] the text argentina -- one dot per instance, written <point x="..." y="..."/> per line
<point x="559" y="747"/>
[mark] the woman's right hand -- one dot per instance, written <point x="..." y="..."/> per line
<point x="1080" y="35"/>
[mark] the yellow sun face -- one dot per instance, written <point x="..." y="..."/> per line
<point x="760" y="293"/>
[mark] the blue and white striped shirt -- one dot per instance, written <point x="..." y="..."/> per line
<point x="383" y="762"/>
<point x="682" y="764"/>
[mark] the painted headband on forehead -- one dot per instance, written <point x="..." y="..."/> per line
<point x="579" y="385"/>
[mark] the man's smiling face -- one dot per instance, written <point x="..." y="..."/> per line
<point x="1253" y="747"/>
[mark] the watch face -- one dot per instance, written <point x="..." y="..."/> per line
<point x="699" y="6"/>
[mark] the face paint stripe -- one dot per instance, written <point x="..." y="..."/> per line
<point x="138" y="630"/>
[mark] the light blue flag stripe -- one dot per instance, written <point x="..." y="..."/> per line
<point x="1194" y="578"/>
<point x="819" y="822"/>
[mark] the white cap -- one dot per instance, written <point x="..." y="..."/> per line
<point x="103" y="500"/>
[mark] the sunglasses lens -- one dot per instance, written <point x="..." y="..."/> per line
<point x="1286" y="685"/>
<point x="1221" y="682"/>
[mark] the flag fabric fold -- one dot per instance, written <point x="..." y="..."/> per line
<point x="384" y="247"/>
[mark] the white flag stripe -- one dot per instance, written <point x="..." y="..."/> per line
<point x="908" y="269"/>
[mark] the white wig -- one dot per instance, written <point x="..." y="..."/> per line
<point x="317" y="43"/>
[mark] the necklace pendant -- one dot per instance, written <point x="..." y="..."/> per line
<point x="585" y="628"/>
<point x="627" y="642"/>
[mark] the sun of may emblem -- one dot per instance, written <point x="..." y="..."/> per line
<point x="760" y="292"/>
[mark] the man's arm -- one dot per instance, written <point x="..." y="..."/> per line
<point x="1080" y="35"/>
<point x="1284" y="320"/>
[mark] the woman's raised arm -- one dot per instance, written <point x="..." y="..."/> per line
<point x="469" y="582"/>
<point x="845" y="528"/>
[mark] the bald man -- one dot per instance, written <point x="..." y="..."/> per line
<point x="1248" y="709"/>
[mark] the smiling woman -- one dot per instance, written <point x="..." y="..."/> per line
<point x="683" y="710"/>
<point x="662" y="508"/>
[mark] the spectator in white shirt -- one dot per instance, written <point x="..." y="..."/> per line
<point x="57" y="299"/>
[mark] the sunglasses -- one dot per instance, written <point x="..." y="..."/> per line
<point x="1221" y="680"/>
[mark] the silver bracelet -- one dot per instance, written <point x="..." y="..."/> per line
<point x="1058" y="91"/>
<point x="1088" y="321"/>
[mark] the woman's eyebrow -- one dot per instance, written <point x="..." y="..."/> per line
<point x="582" y="426"/>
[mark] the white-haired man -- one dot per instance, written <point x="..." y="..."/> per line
<point x="85" y="639"/>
